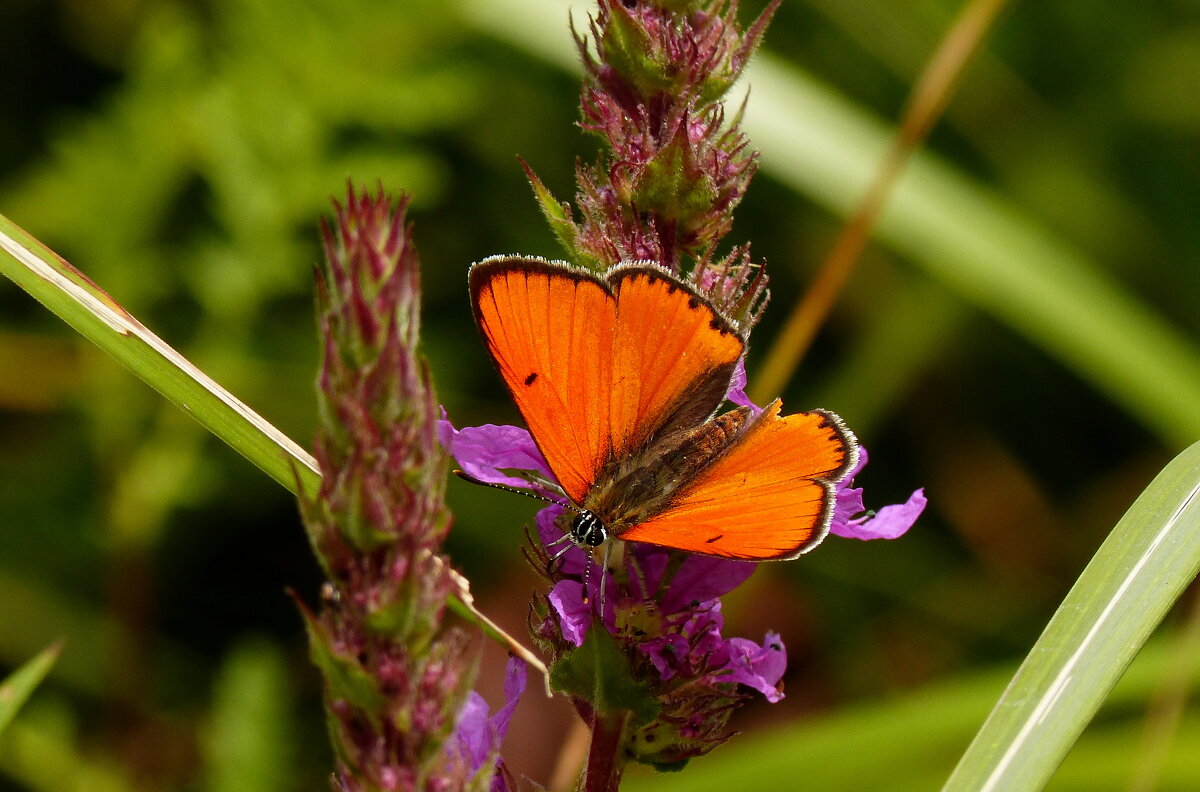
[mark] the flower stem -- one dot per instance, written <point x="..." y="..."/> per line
<point x="603" y="771"/>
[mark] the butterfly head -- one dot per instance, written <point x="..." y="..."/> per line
<point x="587" y="530"/>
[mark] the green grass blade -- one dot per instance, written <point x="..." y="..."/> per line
<point x="20" y="684"/>
<point x="906" y="741"/>
<point x="1122" y="595"/>
<point x="953" y="227"/>
<point x="84" y="306"/>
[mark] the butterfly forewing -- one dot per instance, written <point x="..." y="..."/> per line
<point x="597" y="366"/>
<point x="541" y="323"/>
<point x="673" y="357"/>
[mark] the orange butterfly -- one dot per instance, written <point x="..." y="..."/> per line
<point x="619" y="379"/>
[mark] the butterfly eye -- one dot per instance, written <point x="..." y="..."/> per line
<point x="587" y="530"/>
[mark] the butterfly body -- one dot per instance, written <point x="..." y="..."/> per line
<point x="631" y="489"/>
<point x="619" y="378"/>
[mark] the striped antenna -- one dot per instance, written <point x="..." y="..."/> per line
<point x="526" y="493"/>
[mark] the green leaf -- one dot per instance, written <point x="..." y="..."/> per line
<point x="598" y="673"/>
<point x="16" y="689"/>
<point x="1138" y="573"/>
<point x="557" y="216"/>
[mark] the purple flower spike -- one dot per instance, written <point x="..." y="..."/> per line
<point x="378" y="519"/>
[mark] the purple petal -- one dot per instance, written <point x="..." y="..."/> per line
<point x="664" y="653"/>
<point x="472" y="736"/>
<point x="889" y="522"/>
<point x="737" y="388"/>
<point x="574" y="614"/>
<point x="759" y="667"/>
<point x="848" y="503"/>
<point x="515" y="677"/>
<point x="483" y="451"/>
<point x="704" y="631"/>
<point x="702" y="578"/>
<point x="651" y="563"/>
<point x="477" y="737"/>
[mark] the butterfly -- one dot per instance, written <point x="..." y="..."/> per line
<point x="619" y="378"/>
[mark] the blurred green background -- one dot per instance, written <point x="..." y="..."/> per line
<point x="1021" y="342"/>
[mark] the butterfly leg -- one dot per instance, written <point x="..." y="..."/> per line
<point x="604" y="572"/>
<point x="554" y="558"/>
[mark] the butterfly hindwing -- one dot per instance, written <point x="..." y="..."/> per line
<point x="768" y="495"/>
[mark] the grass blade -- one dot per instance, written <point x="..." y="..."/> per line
<point x="20" y="684"/>
<point x="906" y="741"/>
<point x="1122" y="595"/>
<point x="97" y="317"/>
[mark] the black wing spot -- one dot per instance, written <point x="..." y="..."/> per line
<point x="693" y="303"/>
<point x="532" y="378"/>
<point x="716" y="538"/>
<point x="717" y="324"/>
